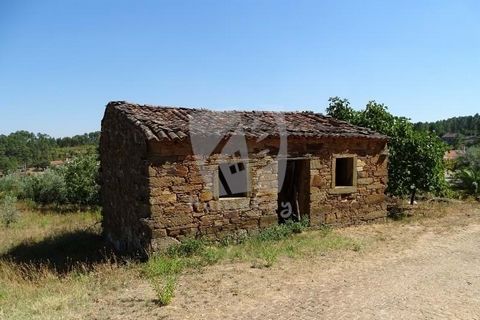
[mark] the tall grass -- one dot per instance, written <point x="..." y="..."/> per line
<point x="51" y="266"/>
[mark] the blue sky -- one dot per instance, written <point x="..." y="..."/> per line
<point x="62" y="61"/>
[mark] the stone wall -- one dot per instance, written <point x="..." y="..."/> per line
<point x="184" y="199"/>
<point x="124" y="188"/>
<point x="366" y="203"/>
<point x="184" y="204"/>
<point x="332" y="206"/>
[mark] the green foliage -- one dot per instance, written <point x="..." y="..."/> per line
<point x="74" y="183"/>
<point x="12" y="184"/>
<point x="340" y="109"/>
<point x="186" y="248"/>
<point x="160" y="265"/>
<point x="163" y="272"/>
<point x="469" y="125"/>
<point x="46" y="188"/>
<point x="471" y="159"/>
<point x="269" y="256"/>
<point x="165" y="289"/>
<point x="468" y="171"/>
<point x="74" y="152"/>
<point x="469" y="180"/>
<point x="91" y="138"/>
<point x="24" y="149"/>
<point x="416" y="157"/>
<point x="8" y="211"/>
<point x="81" y="180"/>
<point x="211" y="255"/>
<point x="281" y="231"/>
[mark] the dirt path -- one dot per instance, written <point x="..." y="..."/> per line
<point x="426" y="270"/>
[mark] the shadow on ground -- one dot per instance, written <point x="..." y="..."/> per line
<point x="63" y="253"/>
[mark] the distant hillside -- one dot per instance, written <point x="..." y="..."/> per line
<point x="25" y="149"/>
<point x="467" y="126"/>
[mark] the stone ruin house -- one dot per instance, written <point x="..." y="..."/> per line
<point x="171" y="173"/>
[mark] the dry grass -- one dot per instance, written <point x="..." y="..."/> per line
<point x="424" y="212"/>
<point x="52" y="265"/>
<point x="55" y="266"/>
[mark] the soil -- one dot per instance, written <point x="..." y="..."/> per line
<point x="424" y="269"/>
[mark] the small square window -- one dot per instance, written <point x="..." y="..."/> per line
<point x="232" y="180"/>
<point x="241" y="166"/>
<point x="344" y="170"/>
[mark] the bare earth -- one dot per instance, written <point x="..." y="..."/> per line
<point x="428" y="269"/>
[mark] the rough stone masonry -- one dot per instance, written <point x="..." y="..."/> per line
<point x="157" y="188"/>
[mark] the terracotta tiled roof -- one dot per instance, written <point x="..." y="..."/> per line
<point x="176" y="123"/>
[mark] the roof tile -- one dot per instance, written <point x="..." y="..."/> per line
<point x="176" y="123"/>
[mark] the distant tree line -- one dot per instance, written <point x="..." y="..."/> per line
<point x="23" y="149"/>
<point x="468" y="126"/>
<point x="91" y="138"/>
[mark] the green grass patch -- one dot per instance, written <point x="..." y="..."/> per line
<point x="165" y="288"/>
<point x="186" y="248"/>
<point x="163" y="272"/>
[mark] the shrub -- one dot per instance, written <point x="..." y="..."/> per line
<point x="282" y="231"/>
<point x="470" y="160"/>
<point x="12" y="184"/>
<point x="467" y="172"/>
<point x="81" y="176"/>
<point x="74" y="183"/>
<point x="186" y="248"/>
<point x="469" y="180"/>
<point x="46" y="188"/>
<point x="8" y="211"/>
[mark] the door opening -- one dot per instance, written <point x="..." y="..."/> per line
<point x="294" y="195"/>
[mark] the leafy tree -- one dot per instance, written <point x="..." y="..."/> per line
<point x="340" y="108"/>
<point x="416" y="156"/>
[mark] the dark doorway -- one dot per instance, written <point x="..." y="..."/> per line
<point x="294" y="195"/>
